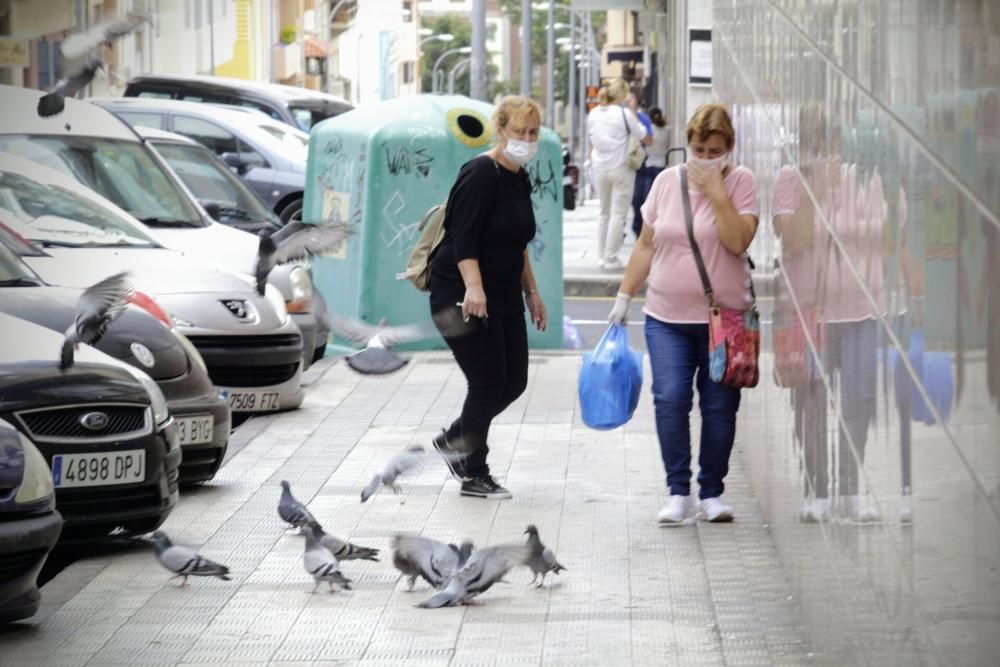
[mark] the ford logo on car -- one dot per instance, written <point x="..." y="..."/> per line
<point x="94" y="421"/>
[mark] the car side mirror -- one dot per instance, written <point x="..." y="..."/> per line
<point x="234" y="161"/>
<point x="213" y="209"/>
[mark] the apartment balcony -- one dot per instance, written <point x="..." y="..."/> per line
<point x="286" y="60"/>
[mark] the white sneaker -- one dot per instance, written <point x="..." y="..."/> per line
<point x="906" y="509"/>
<point x="716" y="510"/>
<point x="674" y="512"/>
<point x="613" y="264"/>
<point x="861" y="509"/>
<point x="815" y="510"/>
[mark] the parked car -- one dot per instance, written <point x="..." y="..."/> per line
<point x="29" y="523"/>
<point x="268" y="156"/>
<point x="106" y="155"/>
<point x="136" y="338"/>
<point x="252" y="348"/>
<point x="298" y="107"/>
<point x="225" y="196"/>
<point x="102" y="426"/>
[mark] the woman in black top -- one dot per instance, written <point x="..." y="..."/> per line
<point x="479" y="272"/>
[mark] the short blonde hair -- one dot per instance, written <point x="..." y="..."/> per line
<point x="709" y="119"/>
<point x="515" y="108"/>
<point x="616" y="91"/>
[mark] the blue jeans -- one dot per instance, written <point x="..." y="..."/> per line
<point x="678" y="354"/>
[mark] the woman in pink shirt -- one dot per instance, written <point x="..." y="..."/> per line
<point x="724" y="212"/>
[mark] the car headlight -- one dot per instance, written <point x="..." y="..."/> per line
<point x="161" y="412"/>
<point x="36" y="485"/>
<point x="274" y="297"/>
<point x="302" y="290"/>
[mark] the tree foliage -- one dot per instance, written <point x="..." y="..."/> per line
<point x="461" y="29"/>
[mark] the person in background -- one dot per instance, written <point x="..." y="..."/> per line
<point x="656" y="161"/>
<point x="481" y="282"/>
<point x="724" y="215"/>
<point x="609" y="127"/>
<point x="633" y="103"/>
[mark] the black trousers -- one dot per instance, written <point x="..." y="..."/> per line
<point x="494" y="358"/>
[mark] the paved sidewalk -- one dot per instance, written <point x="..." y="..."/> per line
<point x="582" y="275"/>
<point x="633" y="593"/>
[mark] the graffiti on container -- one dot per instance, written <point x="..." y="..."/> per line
<point x="396" y="236"/>
<point x="335" y="205"/>
<point x="537" y="245"/>
<point x="357" y="212"/>
<point x="406" y="160"/>
<point x="334" y="146"/>
<point x="545" y="182"/>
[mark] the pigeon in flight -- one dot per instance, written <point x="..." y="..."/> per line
<point x="543" y="559"/>
<point x="484" y="568"/>
<point x="322" y="564"/>
<point x="183" y="561"/>
<point x="296" y="240"/>
<point x="340" y="549"/>
<point x="96" y="308"/>
<point x="436" y="562"/>
<point x="407" y="459"/>
<point x="377" y="358"/>
<point x="291" y="510"/>
<point x="81" y="59"/>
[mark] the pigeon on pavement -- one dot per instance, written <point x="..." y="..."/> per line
<point x="291" y="510"/>
<point x="296" y="240"/>
<point x="402" y="462"/>
<point x="322" y="564"/>
<point x="96" y="308"/>
<point x="484" y="568"/>
<point x="377" y="357"/>
<point x="435" y="561"/>
<point x="543" y="560"/>
<point x="340" y="549"/>
<point x="183" y="561"/>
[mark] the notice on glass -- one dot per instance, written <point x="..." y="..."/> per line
<point x="700" y="57"/>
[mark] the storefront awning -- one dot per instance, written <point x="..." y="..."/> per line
<point x="314" y="48"/>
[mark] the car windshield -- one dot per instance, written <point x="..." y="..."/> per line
<point x="211" y="181"/>
<point x="55" y="215"/>
<point x="14" y="272"/>
<point x="122" y="171"/>
<point x="290" y="138"/>
<point x="280" y="139"/>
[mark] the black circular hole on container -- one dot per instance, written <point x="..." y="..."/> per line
<point x="471" y="125"/>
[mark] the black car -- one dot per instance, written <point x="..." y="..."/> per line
<point x="102" y="426"/>
<point x="298" y="107"/>
<point x="29" y="523"/>
<point x="141" y="340"/>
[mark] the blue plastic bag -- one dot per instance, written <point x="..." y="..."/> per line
<point x="610" y="381"/>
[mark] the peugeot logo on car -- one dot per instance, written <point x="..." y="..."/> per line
<point x="94" y="421"/>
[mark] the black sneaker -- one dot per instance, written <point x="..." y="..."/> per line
<point x="452" y="458"/>
<point x="484" y="487"/>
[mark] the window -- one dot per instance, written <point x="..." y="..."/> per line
<point x="156" y="95"/>
<point x="408" y="69"/>
<point x="407" y="11"/>
<point x="136" y="119"/>
<point x="219" y="140"/>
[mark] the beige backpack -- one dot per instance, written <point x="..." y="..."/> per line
<point x="431" y="228"/>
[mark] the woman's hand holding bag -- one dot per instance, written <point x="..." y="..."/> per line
<point x="610" y="381"/>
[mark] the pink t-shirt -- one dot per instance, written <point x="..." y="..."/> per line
<point x="675" y="292"/>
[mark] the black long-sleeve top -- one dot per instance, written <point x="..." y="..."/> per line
<point x="489" y="218"/>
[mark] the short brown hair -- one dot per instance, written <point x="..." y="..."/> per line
<point x="709" y="119"/>
<point x="515" y="107"/>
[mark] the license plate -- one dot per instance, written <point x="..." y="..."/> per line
<point x="252" y="401"/>
<point x="194" y="430"/>
<point x="99" y="469"/>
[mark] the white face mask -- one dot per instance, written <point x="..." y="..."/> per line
<point x="520" y="152"/>
<point x="706" y="163"/>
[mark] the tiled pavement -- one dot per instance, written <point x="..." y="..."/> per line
<point x="633" y="593"/>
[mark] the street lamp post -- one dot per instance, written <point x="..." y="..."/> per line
<point x="455" y="71"/>
<point x="462" y="49"/>
<point x="526" y="47"/>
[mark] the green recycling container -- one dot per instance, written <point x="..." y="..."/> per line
<point x="380" y="168"/>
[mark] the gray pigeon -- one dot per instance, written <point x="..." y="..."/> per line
<point x="543" y="560"/>
<point x="402" y="462"/>
<point x="183" y="561"/>
<point x="322" y="564"/>
<point x="96" y="308"/>
<point x="291" y="510"/>
<point x="484" y="568"/>
<point x="377" y="357"/>
<point x="340" y="549"/>
<point x="296" y="240"/>
<point x="435" y="561"/>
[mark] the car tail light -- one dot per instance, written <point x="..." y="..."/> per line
<point x="147" y="303"/>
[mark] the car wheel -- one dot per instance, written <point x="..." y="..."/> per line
<point x="292" y="211"/>
<point x="319" y="353"/>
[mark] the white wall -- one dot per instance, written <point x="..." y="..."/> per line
<point x="361" y="57"/>
<point x="699" y="16"/>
